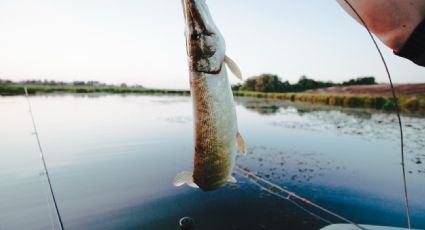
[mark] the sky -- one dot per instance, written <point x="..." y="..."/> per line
<point x="142" y="42"/>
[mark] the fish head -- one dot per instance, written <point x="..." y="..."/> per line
<point x="204" y="42"/>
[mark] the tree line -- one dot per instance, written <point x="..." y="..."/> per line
<point x="61" y="83"/>
<point x="272" y="83"/>
<point x="262" y="83"/>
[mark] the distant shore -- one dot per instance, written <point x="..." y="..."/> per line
<point x="410" y="104"/>
<point x="18" y="89"/>
<point x="353" y="96"/>
<point x="407" y="90"/>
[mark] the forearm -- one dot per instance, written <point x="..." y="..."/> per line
<point x="392" y="21"/>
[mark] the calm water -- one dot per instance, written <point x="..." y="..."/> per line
<point x="112" y="160"/>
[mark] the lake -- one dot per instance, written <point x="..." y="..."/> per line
<point x="112" y="160"/>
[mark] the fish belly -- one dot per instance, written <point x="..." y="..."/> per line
<point x="215" y="129"/>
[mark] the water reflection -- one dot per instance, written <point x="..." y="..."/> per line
<point x="262" y="108"/>
<point x="112" y="160"/>
<point x="369" y="125"/>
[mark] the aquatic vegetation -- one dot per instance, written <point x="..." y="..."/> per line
<point x="289" y="167"/>
<point x="113" y="153"/>
<point x="407" y="104"/>
<point x="414" y="103"/>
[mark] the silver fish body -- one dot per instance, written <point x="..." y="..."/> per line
<point x="215" y="129"/>
<point x="215" y="122"/>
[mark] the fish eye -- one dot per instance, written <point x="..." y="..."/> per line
<point x="196" y="36"/>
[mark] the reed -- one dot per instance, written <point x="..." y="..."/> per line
<point x="353" y="101"/>
<point x="411" y="104"/>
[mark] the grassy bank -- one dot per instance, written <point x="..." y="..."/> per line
<point x="408" y="104"/>
<point x="15" y="89"/>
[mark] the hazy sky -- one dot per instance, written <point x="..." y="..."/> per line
<point x="142" y="42"/>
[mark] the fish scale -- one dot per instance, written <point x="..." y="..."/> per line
<point x="215" y="122"/>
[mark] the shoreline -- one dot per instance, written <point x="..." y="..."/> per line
<point x="407" y="104"/>
<point x="15" y="89"/>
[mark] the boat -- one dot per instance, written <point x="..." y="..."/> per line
<point x="353" y="227"/>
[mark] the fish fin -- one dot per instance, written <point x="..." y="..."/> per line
<point x="184" y="177"/>
<point x="233" y="67"/>
<point x="231" y="179"/>
<point x="241" y="144"/>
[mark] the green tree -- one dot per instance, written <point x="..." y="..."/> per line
<point x="361" y="81"/>
<point x="263" y="83"/>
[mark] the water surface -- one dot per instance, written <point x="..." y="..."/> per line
<point x="112" y="159"/>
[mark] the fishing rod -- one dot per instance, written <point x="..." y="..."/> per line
<point x="254" y="178"/>
<point x="46" y="172"/>
<point x="397" y="107"/>
<point x="288" y="198"/>
<point x="290" y="194"/>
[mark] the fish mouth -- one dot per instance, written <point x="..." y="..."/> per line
<point x="197" y="17"/>
<point x="204" y="42"/>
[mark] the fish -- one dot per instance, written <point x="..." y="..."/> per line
<point x="216" y="134"/>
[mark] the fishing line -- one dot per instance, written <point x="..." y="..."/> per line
<point x="43" y="159"/>
<point x="290" y="194"/>
<point x="288" y="198"/>
<point x="406" y="199"/>
<point x="49" y="202"/>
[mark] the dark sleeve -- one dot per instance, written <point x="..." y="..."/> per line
<point x="414" y="49"/>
